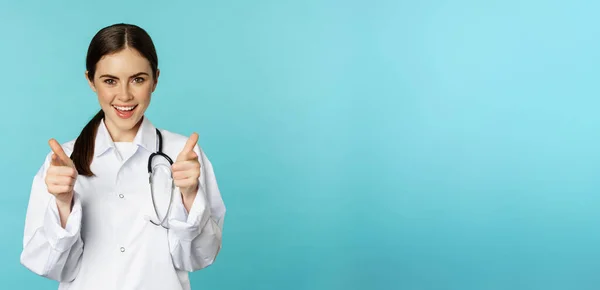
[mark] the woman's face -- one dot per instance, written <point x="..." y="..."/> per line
<point x="124" y="84"/>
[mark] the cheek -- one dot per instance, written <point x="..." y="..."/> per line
<point x="142" y="93"/>
<point x="105" y="96"/>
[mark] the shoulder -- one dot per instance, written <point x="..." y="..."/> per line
<point x="172" y="138"/>
<point x="174" y="142"/>
<point x="68" y="146"/>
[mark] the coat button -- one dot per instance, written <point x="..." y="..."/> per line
<point x="122" y="249"/>
<point x="121" y="195"/>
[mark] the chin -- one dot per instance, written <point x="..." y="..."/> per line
<point x="126" y="124"/>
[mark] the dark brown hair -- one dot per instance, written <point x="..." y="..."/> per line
<point x="108" y="40"/>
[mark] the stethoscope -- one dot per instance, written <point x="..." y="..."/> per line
<point x="150" y="174"/>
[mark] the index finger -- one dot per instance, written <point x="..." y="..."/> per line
<point x="57" y="149"/>
<point x="191" y="142"/>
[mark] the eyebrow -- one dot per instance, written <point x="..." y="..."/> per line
<point x="114" y="77"/>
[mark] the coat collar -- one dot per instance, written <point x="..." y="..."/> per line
<point x="145" y="137"/>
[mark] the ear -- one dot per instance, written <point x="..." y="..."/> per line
<point x="156" y="80"/>
<point x="90" y="83"/>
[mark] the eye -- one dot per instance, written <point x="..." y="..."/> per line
<point x="138" y="80"/>
<point x="109" y="81"/>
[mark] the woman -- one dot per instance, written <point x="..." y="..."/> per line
<point x="91" y="220"/>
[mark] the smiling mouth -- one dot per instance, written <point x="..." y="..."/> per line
<point x="124" y="112"/>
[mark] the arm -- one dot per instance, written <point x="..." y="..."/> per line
<point x="195" y="237"/>
<point x="50" y="250"/>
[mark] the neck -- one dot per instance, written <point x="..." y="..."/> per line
<point x="120" y="135"/>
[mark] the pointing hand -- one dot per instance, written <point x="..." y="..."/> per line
<point x="60" y="178"/>
<point x="186" y="169"/>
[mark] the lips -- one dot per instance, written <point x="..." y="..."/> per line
<point x="124" y="112"/>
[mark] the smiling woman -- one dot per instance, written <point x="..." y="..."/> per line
<point x="93" y="190"/>
<point x="122" y="68"/>
<point x="123" y="111"/>
<point x="125" y="83"/>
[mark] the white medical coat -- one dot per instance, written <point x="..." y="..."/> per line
<point x="108" y="242"/>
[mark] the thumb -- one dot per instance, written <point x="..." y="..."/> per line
<point x="59" y="158"/>
<point x="188" y="149"/>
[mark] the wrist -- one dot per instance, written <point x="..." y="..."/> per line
<point x="65" y="202"/>
<point x="190" y="192"/>
<point x="64" y="210"/>
<point x="188" y="195"/>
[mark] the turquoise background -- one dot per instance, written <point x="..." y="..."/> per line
<point x="357" y="144"/>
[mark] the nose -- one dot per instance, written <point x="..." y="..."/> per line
<point x="125" y="93"/>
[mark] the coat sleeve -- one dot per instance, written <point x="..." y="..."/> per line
<point x="195" y="237"/>
<point x="50" y="250"/>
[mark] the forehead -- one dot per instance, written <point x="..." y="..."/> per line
<point x="123" y="63"/>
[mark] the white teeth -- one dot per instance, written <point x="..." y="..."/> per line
<point x="124" y="108"/>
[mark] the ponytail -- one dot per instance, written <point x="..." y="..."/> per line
<point x="83" y="151"/>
